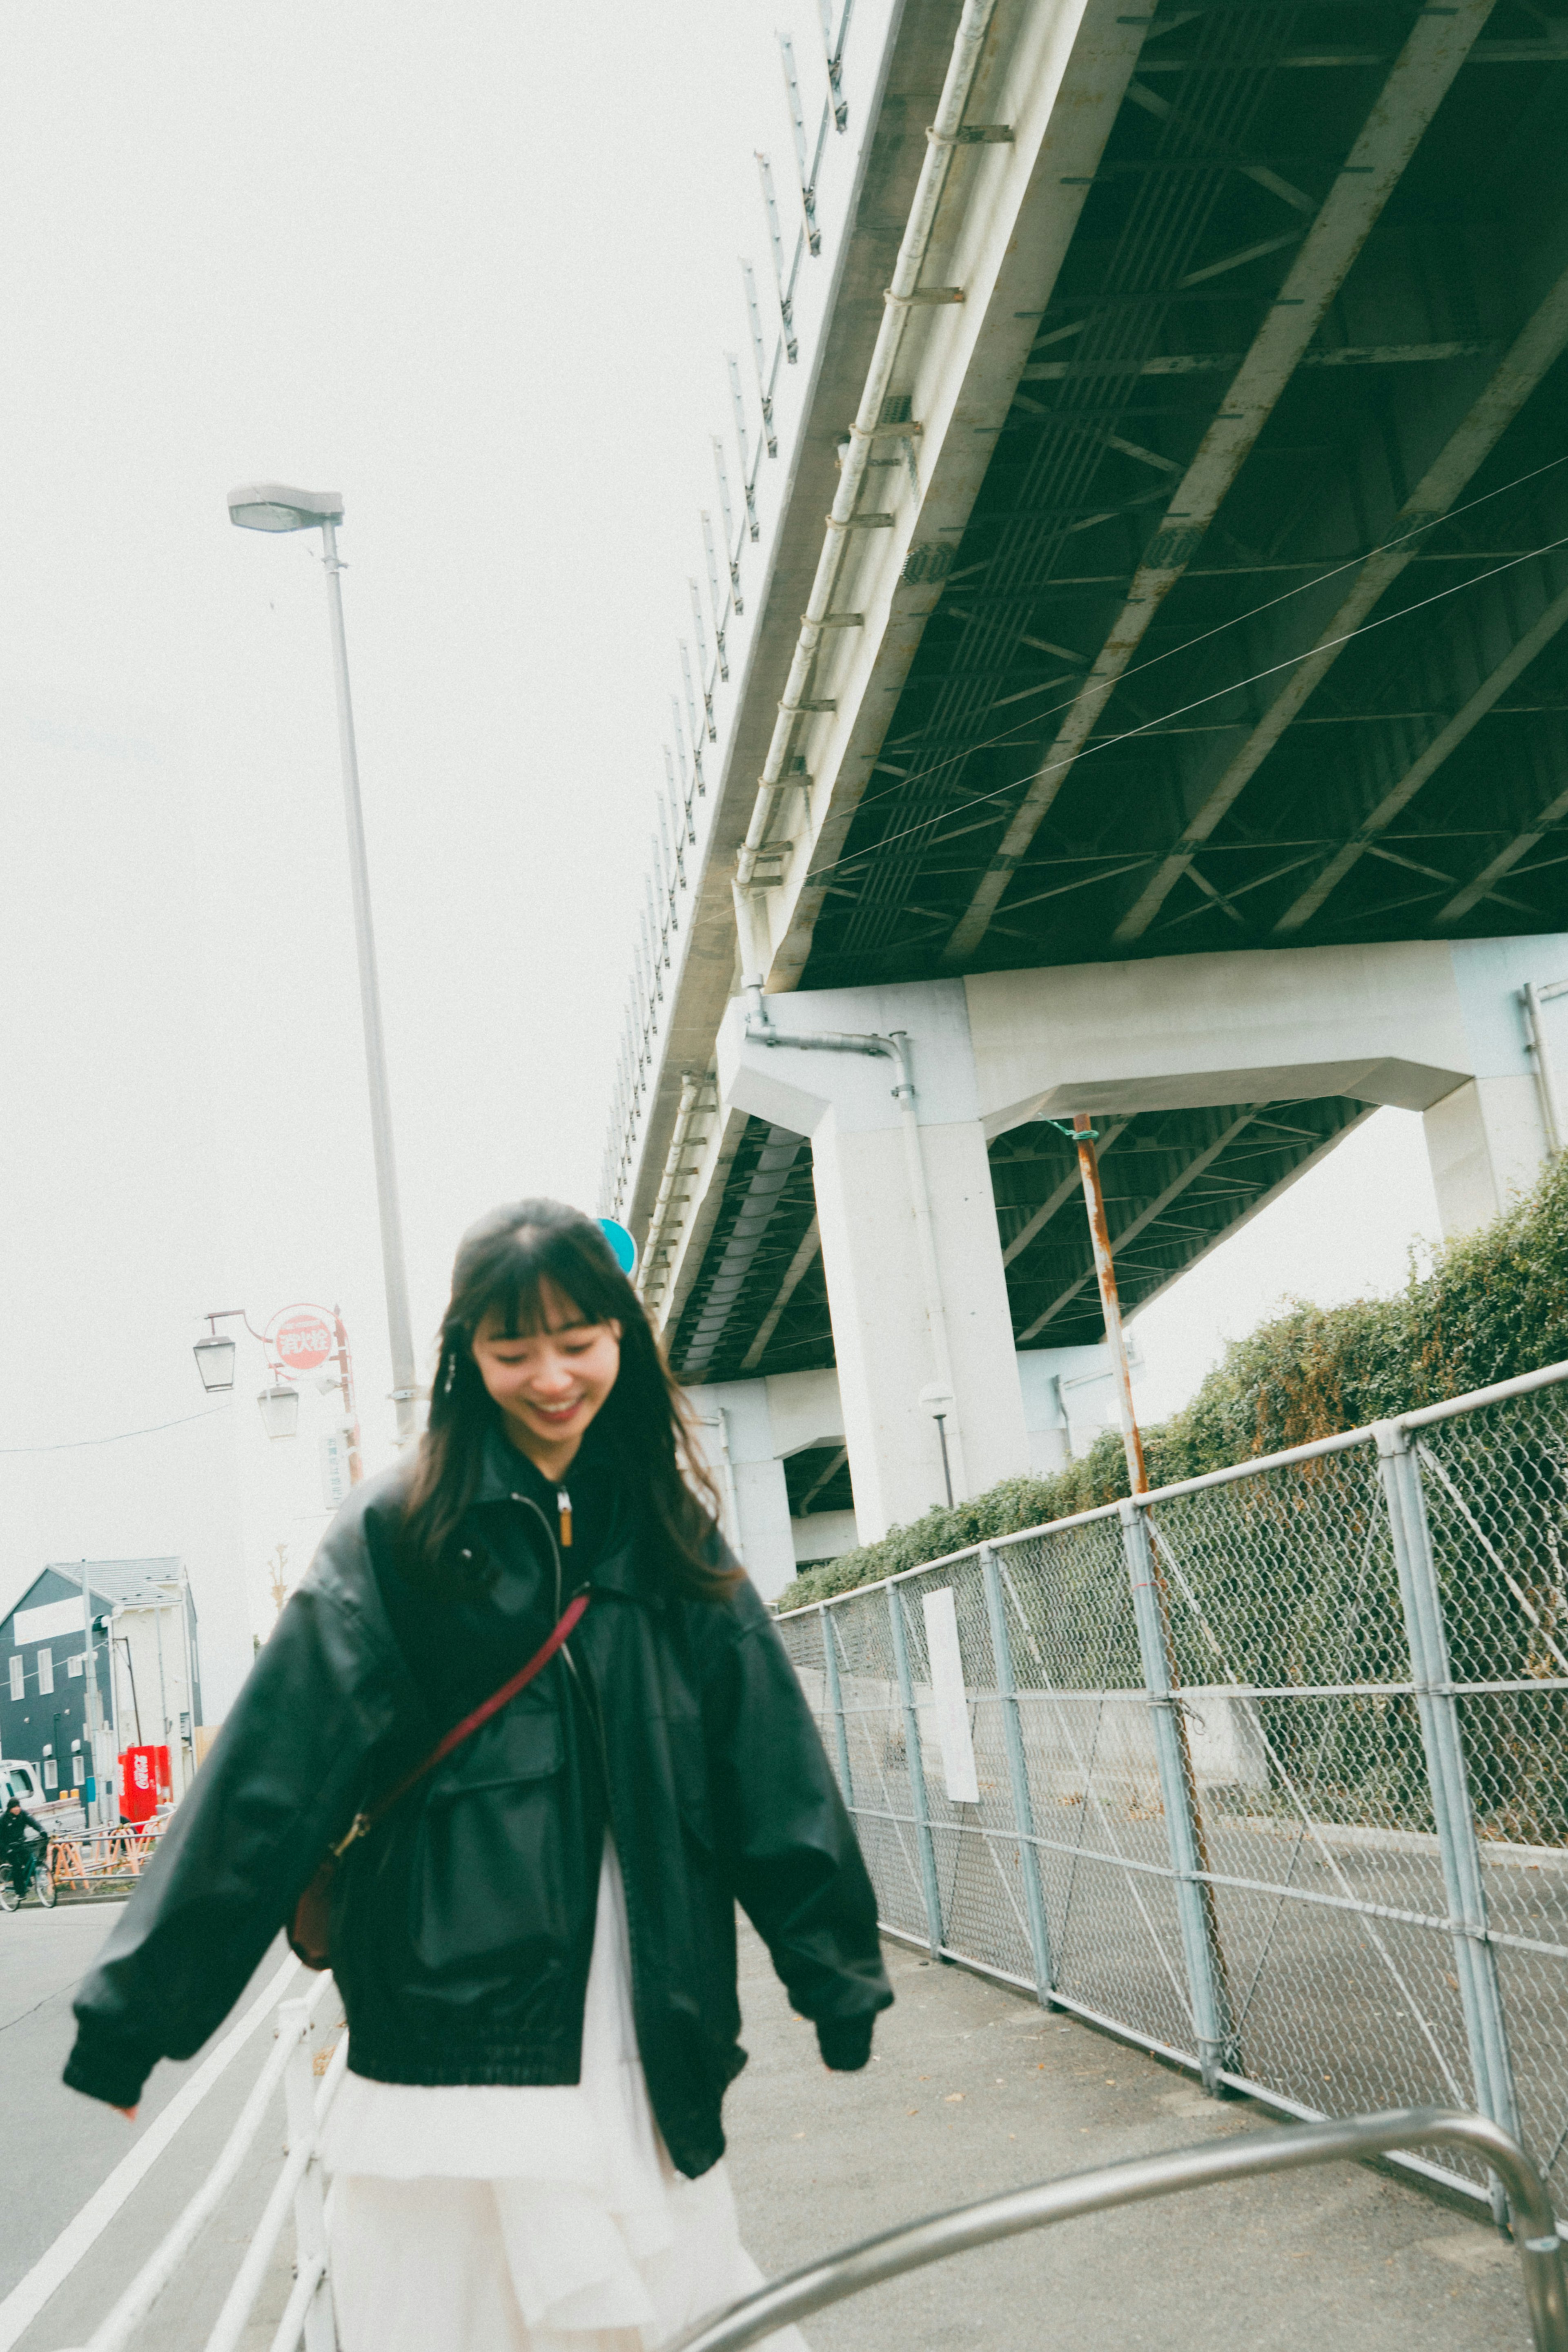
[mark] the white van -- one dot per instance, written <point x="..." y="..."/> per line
<point x="25" y="1781"/>
<point x="20" y="1781"/>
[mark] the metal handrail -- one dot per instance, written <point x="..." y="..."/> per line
<point x="893" y="2252"/>
<point x="291" y="2064"/>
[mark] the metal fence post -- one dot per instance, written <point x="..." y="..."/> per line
<point x="916" y="1767"/>
<point x="1194" y="1902"/>
<point x="836" y="1699"/>
<point x="1475" y="1963"/>
<point x="1018" y="1777"/>
<point x="320" y="2333"/>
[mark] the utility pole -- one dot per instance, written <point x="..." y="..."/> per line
<point x="93" y="1709"/>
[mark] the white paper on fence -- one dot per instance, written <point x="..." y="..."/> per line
<point x="950" y="1700"/>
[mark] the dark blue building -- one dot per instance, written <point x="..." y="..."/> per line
<point x="143" y="1660"/>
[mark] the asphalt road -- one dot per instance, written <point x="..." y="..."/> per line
<point x="972" y="2089"/>
<point x="56" y="2148"/>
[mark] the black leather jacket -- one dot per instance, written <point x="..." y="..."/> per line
<point x="462" y="1925"/>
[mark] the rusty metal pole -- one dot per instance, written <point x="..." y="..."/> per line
<point x="1205" y="1952"/>
<point x="1110" y="1303"/>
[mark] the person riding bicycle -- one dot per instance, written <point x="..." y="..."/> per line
<point x="18" y="1831"/>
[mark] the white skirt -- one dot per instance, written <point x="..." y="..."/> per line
<point x="472" y="2219"/>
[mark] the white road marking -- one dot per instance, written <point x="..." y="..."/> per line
<point x="27" y="2298"/>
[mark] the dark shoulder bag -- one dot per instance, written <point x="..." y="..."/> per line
<point x="307" y="1933"/>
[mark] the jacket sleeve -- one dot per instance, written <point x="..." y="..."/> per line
<point x="282" y="1781"/>
<point x="789" y="1844"/>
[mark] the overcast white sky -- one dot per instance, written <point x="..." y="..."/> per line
<point x="474" y="268"/>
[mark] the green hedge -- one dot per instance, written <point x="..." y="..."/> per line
<point x="1494" y="1304"/>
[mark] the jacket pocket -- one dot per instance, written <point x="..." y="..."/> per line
<point x="521" y="1743"/>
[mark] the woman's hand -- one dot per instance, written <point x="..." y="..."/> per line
<point x="129" y="2113"/>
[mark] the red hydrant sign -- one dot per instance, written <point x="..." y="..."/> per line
<point x="304" y="1339"/>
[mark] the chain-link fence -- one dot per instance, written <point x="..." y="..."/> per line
<point x="1267" y="1770"/>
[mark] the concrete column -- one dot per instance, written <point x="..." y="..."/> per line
<point x="883" y="1336"/>
<point x="1487" y="1142"/>
<point x="737" y="1434"/>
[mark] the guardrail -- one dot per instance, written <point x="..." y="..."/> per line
<point x="297" y="2194"/>
<point x="894" y="2252"/>
<point x="1266" y="1772"/>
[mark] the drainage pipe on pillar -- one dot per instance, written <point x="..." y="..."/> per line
<point x="925" y="1245"/>
<point x="719" y="1419"/>
<point x="1110" y="1302"/>
<point x="1529" y="998"/>
<point x="761" y="1031"/>
<point x="901" y="293"/>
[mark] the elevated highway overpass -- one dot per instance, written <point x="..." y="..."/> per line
<point x="1147" y="696"/>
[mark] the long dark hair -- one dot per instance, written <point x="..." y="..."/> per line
<point x="502" y="1263"/>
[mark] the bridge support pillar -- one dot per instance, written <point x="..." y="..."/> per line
<point x="915" y="1284"/>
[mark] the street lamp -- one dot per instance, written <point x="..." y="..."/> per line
<point x="273" y="506"/>
<point x="279" y="1409"/>
<point x="214" y="1358"/>
<point x="939" y="1403"/>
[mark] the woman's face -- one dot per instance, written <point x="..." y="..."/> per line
<point x="549" y="1384"/>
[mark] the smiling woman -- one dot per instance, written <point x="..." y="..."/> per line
<point x="543" y="1327"/>
<point x="533" y="1932"/>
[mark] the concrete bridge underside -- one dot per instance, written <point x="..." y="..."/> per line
<point x="1203" y="637"/>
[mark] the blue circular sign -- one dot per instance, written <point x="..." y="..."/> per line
<point x="621" y="1242"/>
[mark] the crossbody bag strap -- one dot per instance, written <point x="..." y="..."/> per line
<point x="470" y="1723"/>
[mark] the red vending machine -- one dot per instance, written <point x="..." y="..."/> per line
<point x="139" y="1778"/>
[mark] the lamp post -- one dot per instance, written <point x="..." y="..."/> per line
<point x="271" y="506"/>
<point x="939" y="1403"/>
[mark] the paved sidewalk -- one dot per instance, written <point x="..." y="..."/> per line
<point x="975" y="2089"/>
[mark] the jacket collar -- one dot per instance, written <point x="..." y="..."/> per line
<point x="504" y="1474"/>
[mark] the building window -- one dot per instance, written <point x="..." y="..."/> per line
<point x="75" y="1664"/>
<point x="45" y="1671"/>
<point x="18" y="1676"/>
<point x="51" y="1773"/>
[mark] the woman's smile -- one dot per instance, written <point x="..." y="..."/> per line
<point x="555" y="1414"/>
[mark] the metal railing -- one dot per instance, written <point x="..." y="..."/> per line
<point x="894" y="2252"/>
<point x="90" y="1861"/>
<point x="1267" y="1771"/>
<point x="308" y="2067"/>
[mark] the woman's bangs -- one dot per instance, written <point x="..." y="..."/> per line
<point x="533" y="1260"/>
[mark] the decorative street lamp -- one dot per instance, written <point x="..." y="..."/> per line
<point x="273" y="506"/>
<point x="280" y="1410"/>
<point x="298" y="1339"/>
<point x="215" y="1361"/>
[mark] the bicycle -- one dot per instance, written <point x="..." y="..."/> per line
<point x="23" y="1873"/>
